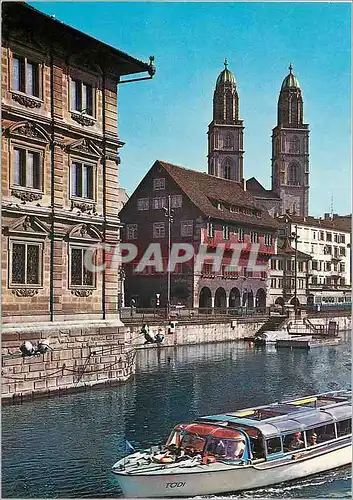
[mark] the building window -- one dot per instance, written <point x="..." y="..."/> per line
<point x="26" y="263"/>
<point x="273" y="445"/>
<point x="210" y="229"/>
<point x="159" y="184"/>
<point x="328" y="266"/>
<point x="240" y="234"/>
<point x="158" y="230"/>
<point x="328" y="236"/>
<point x="227" y="169"/>
<point x="176" y="201"/>
<point x="159" y="202"/>
<point x="314" y="265"/>
<point x="342" y="238"/>
<point x="328" y="249"/>
<point x="25" y="76"/>
<point x="342" y="251"/>
<point x="268" y="240"/>
<point x="187" y="228"/>
<point x="342" y="267"/>
<point x="322" y="235"/>
<point x="254" y="237"/>
<point x="273" y="282"/>
<point x="131" y="231"/>
<point x="300" y="267"/>
<point x="81" y="97"/>
<point x="79" y="274"/>
<point x="143" y="204"/>
<point x="314" y="235"/>
<point x="82" y="182"/>
<point x="27" y="168"/>
<point x="294" y="145"/>
<point x="294" y="175"/>
<point x="225" y="232"/>
<point x="273" y="263"/>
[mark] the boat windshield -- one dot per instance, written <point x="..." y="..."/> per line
<point x="192" y="443"/>
<point x="225" y="449"/>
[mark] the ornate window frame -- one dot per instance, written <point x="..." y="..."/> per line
<point x="19" y="289"/>
<point x="81" y="199"/>
<point x="83" y="236"/>
<point x="30" y="137"/>
<point x="82" y="117"/>
<point x="19" y="96"/>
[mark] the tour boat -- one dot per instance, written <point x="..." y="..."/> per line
<point x="244" y="449"/>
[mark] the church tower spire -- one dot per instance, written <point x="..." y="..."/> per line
<point x="290" y="149"/>
<point x="225" y="132"/>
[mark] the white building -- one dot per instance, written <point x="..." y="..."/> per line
<point x="328" y="242"/>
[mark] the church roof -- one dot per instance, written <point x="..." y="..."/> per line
<point x="226" y="75"/>
<point x="290" y="81"/>
<point x="258" y="191"/>
<point x="208" y="192"/>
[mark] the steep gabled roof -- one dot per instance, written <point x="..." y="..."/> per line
<point x="204" y="190"/>
<point x="287" y="249"/>
<point x="257" y="189"/>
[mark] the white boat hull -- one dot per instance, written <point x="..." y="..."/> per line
<point x="221" y="478"/>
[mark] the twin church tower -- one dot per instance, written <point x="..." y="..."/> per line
<point x="290" y="146"/>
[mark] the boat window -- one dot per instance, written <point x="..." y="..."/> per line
<point x="325" y="433"/>
<point x="344" y="427"/>
<point x="293" y="441"/>
<point x="192" y="443"/>
<point x="273" y="445"/>
<point x="227" y="449"/>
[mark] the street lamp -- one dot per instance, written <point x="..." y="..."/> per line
<point x="295" y="237"/>
<point x="169" y="215"/>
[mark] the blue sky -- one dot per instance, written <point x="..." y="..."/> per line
<point x="167" y="118"/>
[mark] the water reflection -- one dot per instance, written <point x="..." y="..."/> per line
<point x="64" y="447"/>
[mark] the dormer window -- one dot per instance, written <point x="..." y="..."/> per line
<point x="81" y="97"/>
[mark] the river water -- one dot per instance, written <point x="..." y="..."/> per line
<point x="64" y="447"/>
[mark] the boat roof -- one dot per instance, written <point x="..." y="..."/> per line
<point x="289" y="416"/>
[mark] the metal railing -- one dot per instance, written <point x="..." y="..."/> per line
<point x="148" y="314"/>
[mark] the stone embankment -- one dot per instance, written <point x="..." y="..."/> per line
<point x="86" y="355"/>
<point x="79" y="357"/>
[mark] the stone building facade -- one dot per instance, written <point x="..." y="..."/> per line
<point x="60" y="160"/>
<point x="208" y="211"/>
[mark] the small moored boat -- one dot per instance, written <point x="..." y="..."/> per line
<point x="244" y="449"/>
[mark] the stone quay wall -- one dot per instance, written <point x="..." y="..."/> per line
<point x="198" y="333"/>
<point x="81" y="357"/>
<point x="92" y="355"/>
